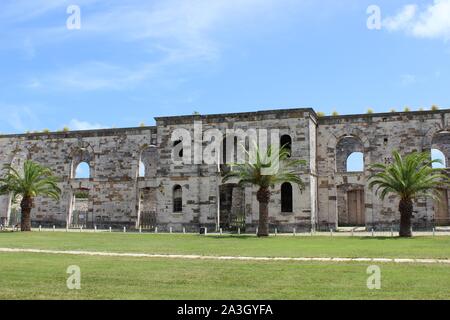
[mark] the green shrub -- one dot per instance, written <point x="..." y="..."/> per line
<point x="434" y="107"/>
<point x="82" y="194"/>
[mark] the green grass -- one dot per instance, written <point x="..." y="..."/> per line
<point x="282" y="246"/>
<point x="43" y="276"/>
<point x="36" y="276"/>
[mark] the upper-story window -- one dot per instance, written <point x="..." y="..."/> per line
<point x="83" y="171"/>
<point x="437" y="154"/>
<point x="286" y="141"/>
<point x="350" y="154"/>
<point x="440" y="148"/>
<point x="229" y="149"/>
<point x="286" y="197"/>
<point x="355" y="162"/>
<point x="177" y="199"/>
<point x="141" y="169"/>
<point x="179" y="148"/>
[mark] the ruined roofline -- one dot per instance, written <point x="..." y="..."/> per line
<point x="383" y="114"/>
<point x="79" y="133"/>
<point x="114" y="131"/>
<point x="237" y="114"/>
<point x="298" y="110"/>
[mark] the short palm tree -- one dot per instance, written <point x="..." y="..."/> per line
<point x="34" y="180"/>
<point x="407" y="177"/>
<point x="256" y="171"/>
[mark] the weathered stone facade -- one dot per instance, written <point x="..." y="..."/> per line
<point x="116" y="195"/>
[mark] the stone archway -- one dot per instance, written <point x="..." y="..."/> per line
<point x="438" y="138"/>
<point x="79" y="208"/>
<point x="82" y="153"/>
<point x="147" y="208"/>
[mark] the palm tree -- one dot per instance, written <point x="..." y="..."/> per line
<point x="257" y="171"/>
<point x="409" y="177"/>
<point x="35" y="180"/>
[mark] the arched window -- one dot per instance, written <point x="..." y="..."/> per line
<point x="437" y="154"/>
<point x="148" y="158"/>
<point x="350" y="154"/>
<point x="141" y="169"/>
<point x="286" y="141"/>
<point x="286" y="197"/>
<point x="355" y="162"/>
<point x="180" y="152"/>
<point x="229" y="152"/>
<point x="83" y="171"/>
<point x="177" y="199"/>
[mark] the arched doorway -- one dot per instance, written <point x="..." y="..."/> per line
<point x="351" y="205"/>
<point x="80" y="209"/>
<point x="440" y="150"/>
<point x="231" y="209"/>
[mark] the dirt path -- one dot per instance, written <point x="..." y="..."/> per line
<point x="231" y="258"/>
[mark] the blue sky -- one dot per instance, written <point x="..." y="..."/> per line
<point x="133" y="60"/>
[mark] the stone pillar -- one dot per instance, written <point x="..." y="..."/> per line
<point x="8" y="209"/>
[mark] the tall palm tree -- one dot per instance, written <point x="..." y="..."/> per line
<point x="258" y="171"/>
<point x="407" y="177"/>
<point x="34" y="180"/>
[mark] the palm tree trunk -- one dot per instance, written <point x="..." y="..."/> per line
<point x="26" y="205"/>
<point x="263" y="197"/>
<point x="406" y="208"/>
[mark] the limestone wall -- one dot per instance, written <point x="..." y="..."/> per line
<point x="200" y="183"/>
<point x="113" y="156"/>
<point x="377" y="135"/>
<point x="118" y="195"/>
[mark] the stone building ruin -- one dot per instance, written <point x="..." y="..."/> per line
<point x="133" y="182"/>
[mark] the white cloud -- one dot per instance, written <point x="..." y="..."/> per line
<point x="17" y="11"/>
<point x="92" y="76"/>
<point x="403" y="20"/>
<point x="433" y="22"/>
<point x="172" y="32"/>
<point x="182" y="29"/>
<point x="179" y="28"/>
<point x="19" y="118"/>
<point x="76" y="124"/>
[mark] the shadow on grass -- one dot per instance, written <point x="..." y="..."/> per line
<point x="387" y="238"/>
<point x="231" y="236"/>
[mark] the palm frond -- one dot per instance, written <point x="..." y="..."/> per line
<point x="408" y="177"/>
<point x="31" y="181"/>
<point x="252" y="171"/>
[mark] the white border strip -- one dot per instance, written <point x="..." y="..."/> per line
<point x="232" y="258"/>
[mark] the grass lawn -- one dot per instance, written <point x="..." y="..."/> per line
<point x="281" y="246"/>
<point x="43" y="276"/>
